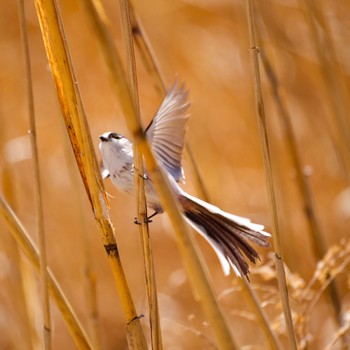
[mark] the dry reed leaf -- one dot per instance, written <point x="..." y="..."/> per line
<point x="208" y="48"/>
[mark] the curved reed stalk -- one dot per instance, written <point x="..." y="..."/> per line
<point x="79" y="134"/>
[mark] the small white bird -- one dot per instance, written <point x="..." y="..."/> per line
<point x="228" y="234"/>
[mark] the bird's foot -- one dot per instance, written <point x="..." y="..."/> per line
<point x="147" y="220"/>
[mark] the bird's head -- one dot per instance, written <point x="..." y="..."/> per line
<point x="114" y="144"/>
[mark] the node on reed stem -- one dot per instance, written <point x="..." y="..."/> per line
<point x="259" y="104"/>
<point x="156" y="335"/>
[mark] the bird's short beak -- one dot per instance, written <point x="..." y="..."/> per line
<point x="103" y="138"/>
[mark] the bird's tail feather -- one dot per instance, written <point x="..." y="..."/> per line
<point x="228" y="234"/>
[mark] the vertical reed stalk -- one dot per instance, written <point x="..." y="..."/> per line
<point x="79" y="134"/>
<point x="37" y="185"/>
<point x="156" y="335"/>
<point x="25" y="243"/>
<point x="259" y="104"/>
<point x="193" y="262"/>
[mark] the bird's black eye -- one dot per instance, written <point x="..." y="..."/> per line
<point x="114" y="135"/>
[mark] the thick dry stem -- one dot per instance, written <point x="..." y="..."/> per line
<point x="79" y="134"/>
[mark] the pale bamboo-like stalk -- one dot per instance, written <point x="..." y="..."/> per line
<point x="79" y="134"/>
<point x="25" y="243"/>
<point x="154" y="320"/>
<point x="259" y="104"/>
<point x="193" y="262"/>
<point x="37" y="185"/>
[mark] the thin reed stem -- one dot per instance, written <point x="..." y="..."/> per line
<point x="37" y="185"/>
<point x="156" y="335"/>
<point x="193" y="262"/>
<point x="24" y="241"/>
<point x="79" y="134"/>
<point x="260" y="111"/>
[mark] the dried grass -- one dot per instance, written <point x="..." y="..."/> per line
<point x="311" y="65"/>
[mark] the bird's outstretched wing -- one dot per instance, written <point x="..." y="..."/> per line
<point x="166" y="132"/>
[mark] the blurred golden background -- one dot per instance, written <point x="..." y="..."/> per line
<point x="204" y="44"/>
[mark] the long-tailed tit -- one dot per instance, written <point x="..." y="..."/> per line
<point x="228" y="234"/>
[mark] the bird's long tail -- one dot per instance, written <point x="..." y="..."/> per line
<point x="228" y="234"/>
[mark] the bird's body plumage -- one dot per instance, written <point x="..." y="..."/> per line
<point x="228" y="234"/>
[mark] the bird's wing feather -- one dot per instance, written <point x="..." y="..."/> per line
<point x="166" y="132"/>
